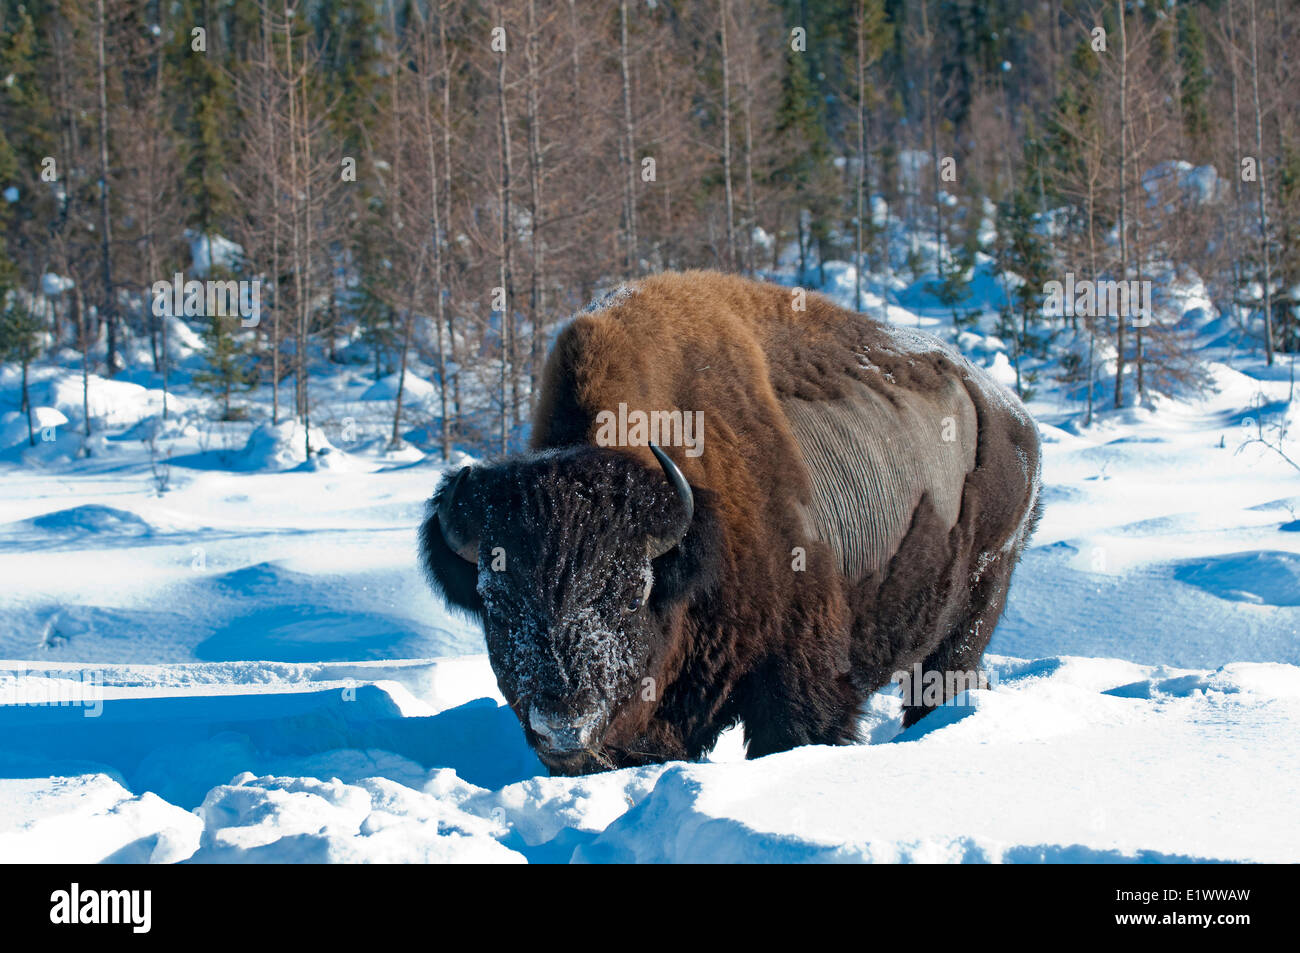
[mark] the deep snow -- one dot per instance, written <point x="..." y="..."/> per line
<point x="273" y="680"/>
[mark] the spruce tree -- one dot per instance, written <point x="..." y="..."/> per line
<point x="205" y="116"/>
<point x="20" y="342"/>
<point x="231" y="367"/>
<point x="1021" y="250"/>
<point x="804" y="168"/>
<point x="1196" y="80"/>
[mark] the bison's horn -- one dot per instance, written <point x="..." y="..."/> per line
<point x="463" y="546"/>
<point x="661" y="545"/>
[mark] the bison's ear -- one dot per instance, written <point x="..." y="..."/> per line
<point x="450" y="574"/>
<point x="694" y="566"/>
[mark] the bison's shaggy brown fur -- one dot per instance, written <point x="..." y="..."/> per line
<point x="862" y="497"/>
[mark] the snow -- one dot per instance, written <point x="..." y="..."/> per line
<point x="305" y="820"/>
<point x="112" y="401"/>
<point x="90" y="819"/>
<point x="1065" y="758"/>
<point x="414" y="389"/>
<point x="247" y="666"/>
<point x="1098" y="776"/>
<point x="209" y="250"/>
<point x="1200" y="185"/>
<point x="13" y="424"/>
<point x="284" y="445"/>
<point x="52" y="284"/>
<point x="608" y="298"/>
<point x="182" y="341"/>
<point x="1258" y="577"/>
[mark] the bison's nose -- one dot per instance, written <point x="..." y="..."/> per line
<point x="563" y="732"/>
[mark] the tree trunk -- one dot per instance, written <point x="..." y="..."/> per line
<point x="1123" y="199"/>
<point x="931" y="126"/>
<point x="82" y="333"/>
<point x="751" y="210"/>
<point x="295" y="249"/>
<point x="537" y="270"/>
<point x="1263" y="196"/>
<point x="1139" y="356"/>
<point x="1231" y="30"/>
<point x="431" y="153"/>
<point x="27" y="408"/>
<point x="1091" y="320"/>
<point x="395" y="196"/>
<point x="446" y="226"/>
<point x="862" y="153"/>
<point x="304" y="327"/>
<point x="268" y="52"/>
<point x="504" y="246"/>
<point x="575" y="59"/>
<point x="628" y="150"/>
<point x="106" y="222"/>
<point x="726" y="139"/>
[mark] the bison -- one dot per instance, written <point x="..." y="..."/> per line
<point x="853" y="507"/>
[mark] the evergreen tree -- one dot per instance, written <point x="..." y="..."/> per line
<point x="27" y="135"/>
<point x="1196" y="80"/>
<point x="1287" y="302"/>
<point x="26" y="114"/>
<point x="350" y="36"/>
<point x="1021" y="250"/>
<point x="804" y="169"/>
<point x="20" y="342"/>
<point x="231" y="366"/>
<point x="8" y="180"/>
<point x="205" y="116"/>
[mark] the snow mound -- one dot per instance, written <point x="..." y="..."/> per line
<point x="182" y="341"/>
<point x="281" y="446"/>
<point x="330" y="459"/>
<point x="1264" y="577"/>
<point x="91" y="520"/>
<point x="305" y="820"/>
<point x="1199" y="185"/>
<point x="91" y="819"/>
<point x="111" y="402"/>
<point x="209" y="250"/>
<point x="179" y="424"/>
<point x="53" y="285"/>
<point x="1258" y="679"/>
<point x="13" y="425"/>
<point x="414" y="389"/>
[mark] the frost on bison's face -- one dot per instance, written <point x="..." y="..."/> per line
<point x="572" y="560"/>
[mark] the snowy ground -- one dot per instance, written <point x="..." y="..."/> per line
<point x="264" y="676"/>
<point x="1069" y="759"/>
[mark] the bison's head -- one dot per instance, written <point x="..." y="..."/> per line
<point x="576" y="561"/>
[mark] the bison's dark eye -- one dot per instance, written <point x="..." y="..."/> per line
<point x="638" y="600"/>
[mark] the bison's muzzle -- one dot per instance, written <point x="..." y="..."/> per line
<point x="564" y="734"/>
